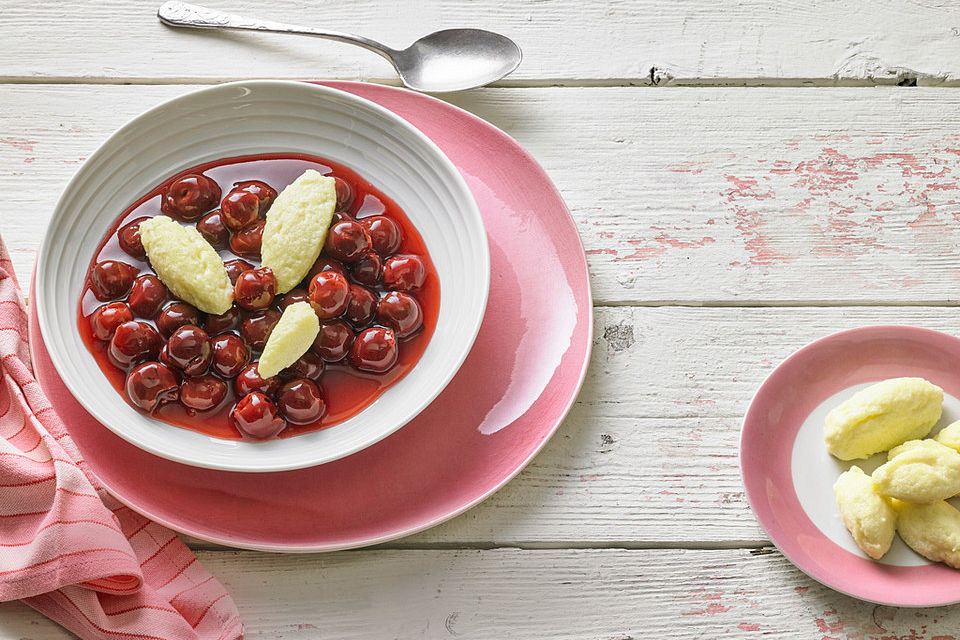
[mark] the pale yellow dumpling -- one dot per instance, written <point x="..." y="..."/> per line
<point x="883" y="416"/>
<point x="950" y="435"/>
<point x="909" y="444"/>
<point x="922" y="471"/>
<point x="187" y="264"/>
<point x="932" y="530"/>
<point x="296" y="227"/>
<point x="290" y="339"/>
<point x="868" y="517"/>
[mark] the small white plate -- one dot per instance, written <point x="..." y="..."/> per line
<point x="789" y="475"/>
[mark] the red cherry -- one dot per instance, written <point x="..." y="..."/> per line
<point x="368" y="269"/>
<point x="347" y="241"/>
<point x="128" y="237"/>
<point x="292" y="297"/>
<point x="151" y="384"/>
<point x="362" y="307"/>
<point x="147" y="296"/>
<point x="212" y="229"/>
<point x="175" y="315"/>
<point x="239" y="210"/>
<point x="334" y="340"/>
<point x="230" y="354"/>
<point x="133" y="342"/>
<point x="375" y="350"/>
<point x="385" y="234"/>
<point x="308" y="366"/>
<point x="202" y="393"/>
<point x="256" y="416"/>
<point x="300" y="401"/>
<point x="264" y="192"/>
<point x="224" y="322"/>
<point x="107" y="318"/>
<point x="404" y="272"/>
<point x="189" y="349"/>
<point x="111" y="279"/>
<point x="246" y="203"/>
<point x="324" y="263"/>
<point x="329" y="294"/>
<point x="190" y="197"/>
<point x="235" y="268"/>
<point x="401" y="312"/>
<point x="249" y="380"/>
<point x="345" y="194"/>
<point x="256" y="328"/>
<point x="341" y="216"/>
<point x="165" y="359"/>
<point x="255" y="288"/>
<point x="247" y="241"/>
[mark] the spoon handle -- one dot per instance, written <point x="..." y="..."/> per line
<point x="182" y="14"/>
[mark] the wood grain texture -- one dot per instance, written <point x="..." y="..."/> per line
<point x="724" y="228"/>
<point x="610" y="594"/>
<point x="676" y="377"/>
<point x="649" y="455"/>
<point x="564" y="41"/>
<point x="692" y="196"/>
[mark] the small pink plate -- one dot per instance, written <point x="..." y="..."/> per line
<point x="789" y="475"/>
<point x="516" y="386"/>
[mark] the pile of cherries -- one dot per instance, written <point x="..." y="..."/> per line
<point x="360" y="289"/>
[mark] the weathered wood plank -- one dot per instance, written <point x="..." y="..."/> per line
<point x="507" y="593"/>
<point x="676" y="377"/>
<point x="649" y="455"/>
<point x="690" y="196"/>
<point x="622" y="41"/>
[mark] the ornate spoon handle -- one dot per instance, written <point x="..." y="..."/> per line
<point x="182" y="14"/>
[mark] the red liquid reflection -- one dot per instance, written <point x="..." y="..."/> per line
<point x="346" y="390"/>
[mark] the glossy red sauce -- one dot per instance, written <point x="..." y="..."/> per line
<point x="346" y="390"/>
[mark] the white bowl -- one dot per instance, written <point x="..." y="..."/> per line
<point x="257" y="117"/>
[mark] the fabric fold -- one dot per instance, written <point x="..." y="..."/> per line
<point x="67" y="547"/>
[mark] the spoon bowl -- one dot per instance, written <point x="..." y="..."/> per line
<point x="456" y="59"/>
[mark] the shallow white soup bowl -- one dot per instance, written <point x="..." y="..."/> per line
<point x="258" y="117"/>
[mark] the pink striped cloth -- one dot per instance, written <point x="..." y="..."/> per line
<point x="69" y="549"/>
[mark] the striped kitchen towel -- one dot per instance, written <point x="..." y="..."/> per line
<point x="69" y="549"/>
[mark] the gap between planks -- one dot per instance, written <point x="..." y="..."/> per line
<point x="746" y="83"/>
<point x="755" y="546"/>
<point x="616" y="43"/>
<point x="759" y="304"/>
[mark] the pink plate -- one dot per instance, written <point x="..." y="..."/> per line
<point x="511" y="394"/>
<point x="789" y="475"/>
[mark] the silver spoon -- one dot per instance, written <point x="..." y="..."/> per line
<point x="449" y="60"/>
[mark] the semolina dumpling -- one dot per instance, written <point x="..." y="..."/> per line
<point x="290" y="339"/>
<point x="921" y="472"/>
<point x="883" y="416"/>
<point x="932" y="530"/>
<point x="296" y="227"/>
<point x="187" y="264"/>
<point x="868" y="517"/>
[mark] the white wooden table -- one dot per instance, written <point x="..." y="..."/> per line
<point x="746" y="176"/>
